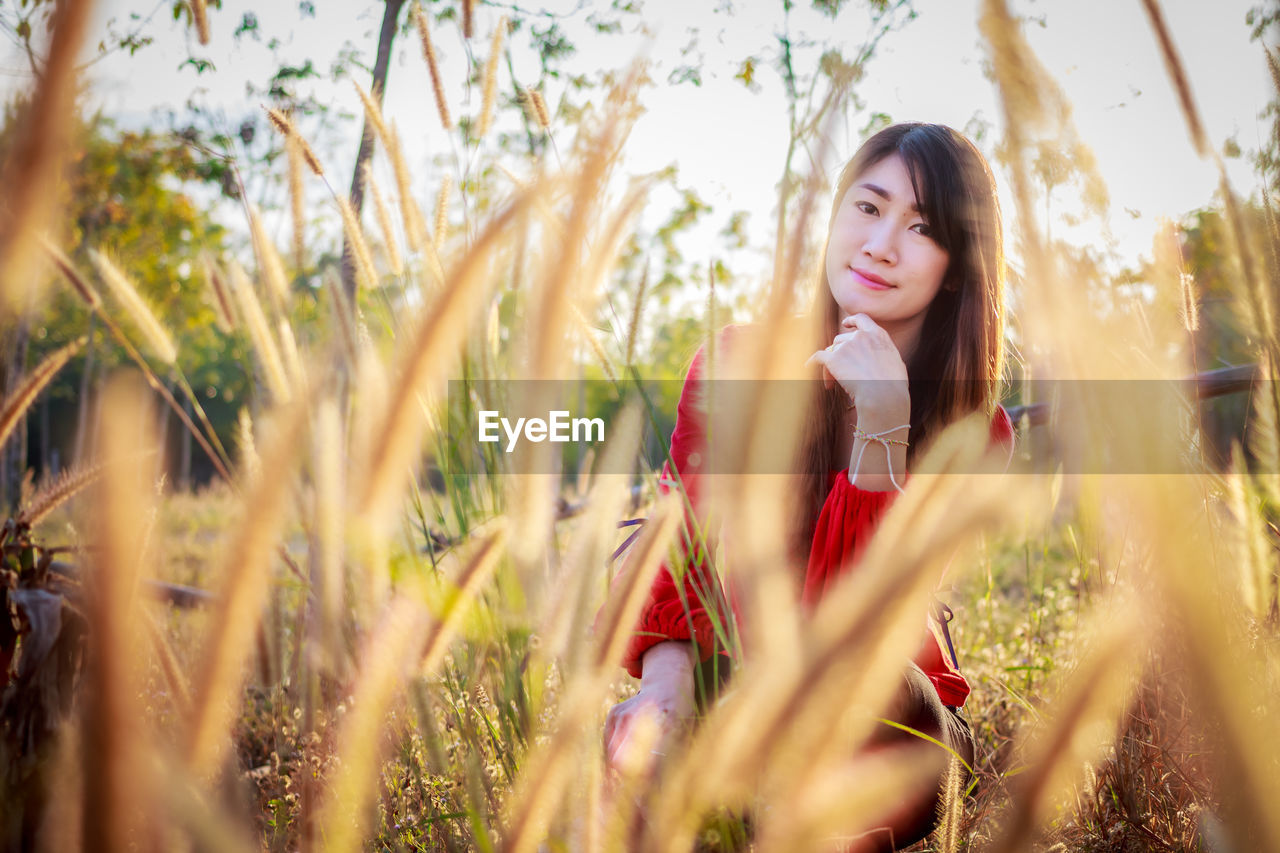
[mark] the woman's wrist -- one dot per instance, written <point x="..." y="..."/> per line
<point x="668" y="660"/>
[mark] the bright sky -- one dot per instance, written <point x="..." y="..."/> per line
<point x="729" y="143"/>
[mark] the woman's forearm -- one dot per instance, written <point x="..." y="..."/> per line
<point x="871" y="468"/>
<point x="668" y="662"/>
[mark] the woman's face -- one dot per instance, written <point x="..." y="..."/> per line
<point x="881" y="260"/>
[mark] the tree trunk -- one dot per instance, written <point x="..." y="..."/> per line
<point x="381" y="65"/>
<point x="86" y="383"/>
<point x="13" y="456"/>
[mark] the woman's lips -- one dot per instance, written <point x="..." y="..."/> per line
<point x="870" y="282"/>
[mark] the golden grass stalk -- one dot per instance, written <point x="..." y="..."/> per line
<point x="593" y="342"/>
<point x="294" y="370"/>
<point x="200" y="16"/>
<point x="285" y="126"/>
<point x="540" y="109"/>
<point x="169" y="665"/>
<point x="115" y="762"/>
<point x="269" y="266"/>
<point x="429" y="53"/>
<point x="1081" y="725"/>
<point x="72" y="275"/>
<point x="36" y="157"/>
<point x="57" y="491"/>
<point x="343" y="316"/>
<point x="491" y="79"/>
<point x="636" y="311"/>
<point x="1181" y="84"/>
<point x="1190" y="303"/>
<point x="840" y="804"/>
<point x="1027" y="96"/>
<point x="384" y="222"/>
<point x="17" y="403"/>
<point x="327" y="467"/>
<point x="222" y="304"/>
<point x="425" y="364"/>
<point x="1256" y="289"/>
<point x="594" y="537"/>
<point x="1253" y="554"/>
<point x="548" y="767"/>
<point x="442" y="212"/>
<point x="360" y="248"/>
<point x="127" y="295"/>
<point x="479" y="568"/>
<point x="373" y="112"/>
<point x="354" y="787"/>
<point x="250" y="462"/>
<point x="246" y="578"/>
<point x="297" y="202"/>
<point x="260" y="333"/>
<point x="415" y="228"/>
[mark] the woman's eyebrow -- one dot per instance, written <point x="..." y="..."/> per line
<point x="884" y="194"/>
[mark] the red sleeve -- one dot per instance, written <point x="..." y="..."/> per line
<point x="676" y="611"/>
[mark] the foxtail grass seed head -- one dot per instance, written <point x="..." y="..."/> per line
<point x="285" y="126"/>
<point x="373" y="112"/>
<point x="1190" y="303"/>
<point x="636" y="311"/>
<point x="223" y="313"/>
<point x="359" y="248"/>
<point x="292" y="361"/>
<point x="269" y="266"/>
<point x="154" y="333"/>
<point x="1178" y="76"/>
<point x="384" y="222"/>
<point x="260" y="333"/>
<point x="343" y="316"/>
<point x="491" y="79"/>
<point x="72" y="275"/>
<point x="540" y="109"/>
<point x="442" y="212"/>
<point x="250" y="462"/>
<point x="30" y="171"/>
<point x="297" y="202"/>
<point x="468" y="18"/>
<point x="414" y="226"/>
<point x="593" y="341"/>
<point x="433" y="66"/>
<point x="20" y="399"/>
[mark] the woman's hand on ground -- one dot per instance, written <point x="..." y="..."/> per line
<point x="867" y="365"/>
<point x="665" y="700"/>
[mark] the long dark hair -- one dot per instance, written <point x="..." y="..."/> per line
<point x="959" y="360"/>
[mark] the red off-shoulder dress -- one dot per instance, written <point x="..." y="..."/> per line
<point x="848" y="518"/>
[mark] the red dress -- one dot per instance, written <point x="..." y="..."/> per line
<point x="848" y="518"/>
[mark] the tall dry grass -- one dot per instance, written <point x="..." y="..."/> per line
<point x="419" y="669"/>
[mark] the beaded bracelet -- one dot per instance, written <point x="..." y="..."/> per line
<point x="879" y="437"/>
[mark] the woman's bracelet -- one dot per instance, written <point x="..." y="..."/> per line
<point x="883" y="441"/>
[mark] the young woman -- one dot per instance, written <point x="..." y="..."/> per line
<point x="913" y="313"/>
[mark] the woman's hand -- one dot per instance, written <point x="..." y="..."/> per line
<point x="865" y="362"/>
<point x="665" y="698"/>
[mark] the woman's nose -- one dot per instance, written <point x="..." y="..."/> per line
<point x="881" y="242"/>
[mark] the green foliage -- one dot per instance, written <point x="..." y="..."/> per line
<point x="148" y="200"/>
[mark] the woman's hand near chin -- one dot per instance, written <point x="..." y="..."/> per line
<point x="867" y="365"/>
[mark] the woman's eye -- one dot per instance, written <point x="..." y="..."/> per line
<point x="866" y="207"/>
<point x="922" y="229"/>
